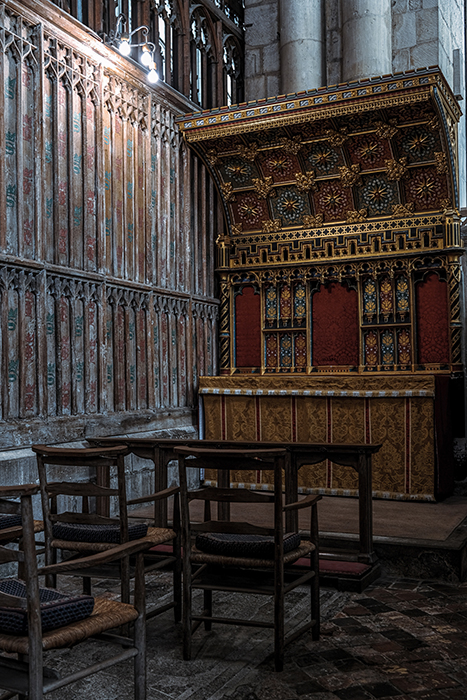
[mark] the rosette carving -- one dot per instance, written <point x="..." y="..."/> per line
<point x="336" y="138"/>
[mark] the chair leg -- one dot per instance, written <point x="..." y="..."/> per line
<point x="86" y="585"/>
<point x="315" y="606"/>
<point x="177" y="580"/>
<point x="279" y="624"/>
<point x="207" y="609"/>
<point x="186" y="612"/>
<point x="140" y="630"/>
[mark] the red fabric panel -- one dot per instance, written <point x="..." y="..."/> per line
<point x="432" y="320"/>
<point x="247" y="328"/>
<point x="335" y="326"/>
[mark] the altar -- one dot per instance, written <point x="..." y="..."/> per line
<point x="339" y="278"/>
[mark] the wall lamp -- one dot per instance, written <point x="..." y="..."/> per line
<point x="122" y="40"/>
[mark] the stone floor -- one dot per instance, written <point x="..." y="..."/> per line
<point x="401" y="638"/>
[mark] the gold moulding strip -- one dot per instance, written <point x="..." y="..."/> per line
<point x="414" y="393"/>
<point x="376" y="226"/>
<point x="204" y="130"/>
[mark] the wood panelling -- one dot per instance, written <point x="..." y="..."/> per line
<point x="102" y="313"/>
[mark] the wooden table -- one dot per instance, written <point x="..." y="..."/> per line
<point x="358" y="457"/>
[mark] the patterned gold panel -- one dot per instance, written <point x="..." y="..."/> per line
<point x="276" y="419"/>
<point x="388" y="426"/>
<point x="240" y="418"/>
<point x="341" y="412"/>
<point x="422" y="447"/>
<point x="311" y="419"/>
<point x="212" y="418"/>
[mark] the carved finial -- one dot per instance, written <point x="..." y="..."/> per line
<point x="248" y="152"/>
<point x="337" y="138"/>
<point x="396" y="169"/>
<point x="385" y="130"/>
<point x="271" y="226"/>
<point x="399" y="211"/>
<point x="227" y="192"/>
<point x="212" y="156"/>
<point x="356" y="217"/>
<point x="263" y="187"/>
<point x="292" y="145"/>
<point x="312" y="221"/>
<point x="349" y="176"/>
<point x="441" y="163"/>
<point x="237" y="229"/>
<point x="305" y="181"/>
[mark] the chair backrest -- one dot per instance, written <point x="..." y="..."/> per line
<point x="226" y="460"/>
<point x="78" y="463"/>
<point x="25" y="556"/>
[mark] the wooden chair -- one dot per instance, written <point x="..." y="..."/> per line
<point x="237" y="556"/>
<point x="34" y="620"/>
<point x="86" y="532"/>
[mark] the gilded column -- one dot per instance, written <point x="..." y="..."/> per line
<point x="301" y="44"/>
<point x="366" y="38"/>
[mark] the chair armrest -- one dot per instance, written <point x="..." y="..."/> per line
<point x="155" y="496"/>
<point x="118" y="552"/>
<point x="303" y="503"/>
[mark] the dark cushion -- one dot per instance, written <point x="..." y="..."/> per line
<point x="57" y="609"/>
<point x="9" y="521"/>
<point x="253" y="546"/>
<point x="82" y="532"/>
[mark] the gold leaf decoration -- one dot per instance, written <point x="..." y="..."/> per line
<point x="433" y="124"/>
<point x="400" y="211"/>
<point x="336" y="138"/>
<point x="263" y="187"/>
<point x="227" y="192"/>
<point x="356" y="217"/>
<point x="249" y="152"/>
<point x="212" y="156"/>
<point x="237" y="229"/>
<point x="349" y="176"/>
<point x="271" y="226"/>
<point x="385" y="130"/>
<point x="396" y="169"/>
<point x="441" y="163"/>
<point x="292" y="145"/>
<point x="305" y="181"/>
<point x="223" y="240"/>
<point x="312" y="221"/>
<point x="445" y="204"/>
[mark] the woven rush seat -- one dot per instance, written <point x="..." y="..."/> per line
<point x="57" y="609"/>
<point x="238" y="545"/>
<point x="84" y="532"/>
<point x="200" y="557"/>
<point x="155" y="536"/>
<point x="105" y="613"/>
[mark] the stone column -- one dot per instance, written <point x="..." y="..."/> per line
<point x="366" y="38"/>
<point x="301" y="44"/>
